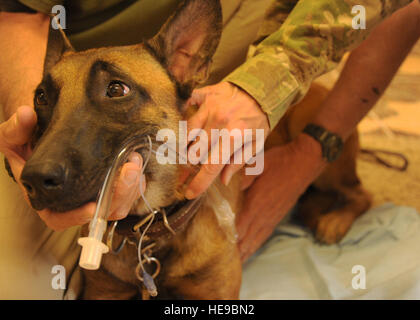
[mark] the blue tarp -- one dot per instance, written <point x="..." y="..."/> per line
<point x="383" y="244"/>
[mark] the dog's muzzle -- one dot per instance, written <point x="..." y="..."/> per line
<point x="44" y="182"/>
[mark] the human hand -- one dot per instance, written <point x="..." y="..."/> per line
<point x="288" y="171"/>
<point x="223" y="106"/>
<point x="15" y="134"/>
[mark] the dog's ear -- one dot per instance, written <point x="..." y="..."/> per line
<point x="57" y="45"/>
<point x="188" y="40"/>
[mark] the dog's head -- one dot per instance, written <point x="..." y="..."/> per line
<point x="89" y="103"/>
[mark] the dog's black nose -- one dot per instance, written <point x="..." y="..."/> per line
<point x="43" y="180"/>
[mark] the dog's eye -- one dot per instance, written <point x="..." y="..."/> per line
<point x="40" y="97"/>
<point x="117" y="89"/>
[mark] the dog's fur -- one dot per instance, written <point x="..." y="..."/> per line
<point x="80" y="130"/>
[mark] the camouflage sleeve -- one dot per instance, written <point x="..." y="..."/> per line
<point x="309" y="43"/>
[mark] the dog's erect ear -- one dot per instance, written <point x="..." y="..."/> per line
<point x="188" y="40"/>
<point x="57" y="44"/>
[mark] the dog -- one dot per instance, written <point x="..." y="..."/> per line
<point x="89" y="103"/>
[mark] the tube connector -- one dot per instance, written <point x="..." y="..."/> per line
<point x="92" y="251"/>
<point x="92" y="246"/>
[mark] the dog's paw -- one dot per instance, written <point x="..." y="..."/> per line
<point x="333" y="226"/>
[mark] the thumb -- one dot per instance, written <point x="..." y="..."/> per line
<point x="198" y="96"/>
<point x="18" y="129"/>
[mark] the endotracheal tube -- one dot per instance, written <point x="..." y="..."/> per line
<point x="92" y="246"/>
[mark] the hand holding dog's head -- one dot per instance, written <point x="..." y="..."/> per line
<point x="90" y="102"/>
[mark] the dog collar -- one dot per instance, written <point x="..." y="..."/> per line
<point x="170" y="221"/>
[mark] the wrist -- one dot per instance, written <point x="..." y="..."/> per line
<point x="309" y="150"/>
<point x="264" y="121"/>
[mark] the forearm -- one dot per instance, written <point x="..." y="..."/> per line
<point x="369" y="70"/>
<point x="23" y="39"/>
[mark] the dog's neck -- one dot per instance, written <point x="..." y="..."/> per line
<point x="167" y="222"/>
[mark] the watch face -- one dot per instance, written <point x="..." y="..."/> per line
<point x="331" y="143"/>
<point x="333" y="146"/>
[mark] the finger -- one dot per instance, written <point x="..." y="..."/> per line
<point x="130" y="199"/>
<point x="198" y="150"/>
<point x="59" y="221"/>
<point x="13" y="134"/>
<point x="185" y="174"/>
<point x="195" y="130"/>
<point x="198" y="96"/>
<point x="239" y="159"/>
<point x="237" y="162"/>
<point x="127" y="188"/>
<point x="16" y="164"/>
<point x="228" y="172"/>
<point x="222" y="141"/>
<point x="213" y="165"/>
<point x="202" y="180"/>
<point x="200" y="120"/>
<point x="18" y="129"/>
<point x="212" y="168"/>
<point x="197" y="121"/>
<point x="198" y="153"/>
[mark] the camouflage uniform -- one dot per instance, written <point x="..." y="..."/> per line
<point x="301" y="46"/>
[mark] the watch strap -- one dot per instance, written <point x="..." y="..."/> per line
<point x="331" y="143"/>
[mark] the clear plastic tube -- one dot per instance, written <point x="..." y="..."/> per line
<point x="92" y="246"/>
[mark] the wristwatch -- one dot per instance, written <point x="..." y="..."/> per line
<point x="331" y="143"/>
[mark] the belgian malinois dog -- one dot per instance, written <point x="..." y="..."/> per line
<point x="89" y="103"/>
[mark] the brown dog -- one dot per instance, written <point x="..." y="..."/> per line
<point x="89" y="103"/>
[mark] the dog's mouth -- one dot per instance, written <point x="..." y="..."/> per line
<point x="91" y="190"/>
<point x="64" y="205"/>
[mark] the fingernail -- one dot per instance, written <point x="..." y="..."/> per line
<point x="189" y="194"/>
<point x="228" y="178"/>
<point x="130" y="177"/>
<point x="135" y="158"/>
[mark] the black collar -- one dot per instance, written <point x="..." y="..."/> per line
<point x="178" y="216"/>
